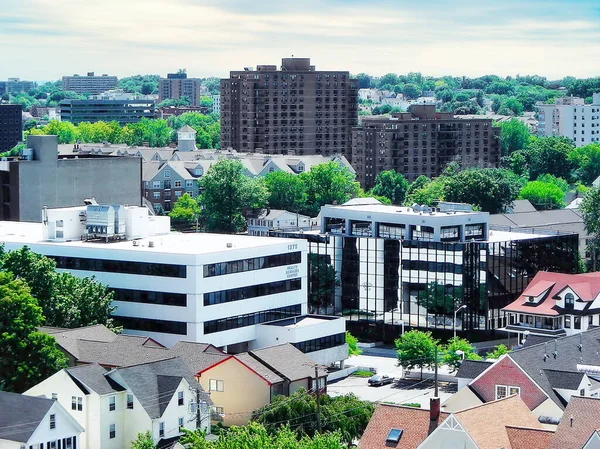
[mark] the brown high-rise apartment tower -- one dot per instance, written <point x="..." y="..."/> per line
<point x="296" y="110"/>
<point x="422" y="142"/>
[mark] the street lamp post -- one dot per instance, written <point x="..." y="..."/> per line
<point x="464" y="306"/>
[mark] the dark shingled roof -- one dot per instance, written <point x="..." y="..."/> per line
<point x="258" y="368"/>
<point x="93" y="377"/>
<point x="155" y="383"/>
<point x="569" y="355"/>
<point x="21" y="415"/>
<point x="287" y="361"/>
<point x="564" y="380"/>
<point x="470" y="369"/>
<point x="533" y="340"/>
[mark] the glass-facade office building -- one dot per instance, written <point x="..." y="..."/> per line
<point x="420" y="283"/>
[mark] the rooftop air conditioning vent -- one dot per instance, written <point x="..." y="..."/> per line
<point x="229" y="245"/>
<point x="151" y="244"/>
<point x="136" y="243"/>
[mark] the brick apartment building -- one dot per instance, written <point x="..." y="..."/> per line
<point x="295" y="110"/>
<point x="177" y="85"/>
<point x="11" y="126"/>
<point x="90" y="84"/>
<point x="422" y="142"/>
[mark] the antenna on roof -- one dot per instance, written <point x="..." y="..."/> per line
<point x="555" y="353"/>
<point x="580" y="345"/>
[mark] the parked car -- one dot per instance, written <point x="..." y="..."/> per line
<point x="380" y="379"/>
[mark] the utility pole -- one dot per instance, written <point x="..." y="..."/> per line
<point x="198" y="411"/>
<point x="435" y="371"/>
<point x="318" y="391"/>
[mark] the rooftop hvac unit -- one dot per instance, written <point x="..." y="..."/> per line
<point x="151" y="244"/>
<point x="136" y="243"/>
<point x="230" y="245"/>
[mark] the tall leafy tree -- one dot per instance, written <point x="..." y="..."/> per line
<point x="226" y="193"/>
<point x="392" y="185"/>
<point x="543" y="195"/>
<point x="286" y="191"/>
<point x="490" y="189"/>
<point x="26" y="355"/>
<point x="65" y="300"/>
<point x="590" y="207"/>
<point x="143" y="441"/>
<point x="549" y="155"/>
<point x="416" y="349"/>
<point x="352" y="343"/>
<point x="514" y="136"/>
<point x="328" y="183"/>
<point x="587" y="162"/>
<point x="185" y="210"/>
<point x="456" y="350"/>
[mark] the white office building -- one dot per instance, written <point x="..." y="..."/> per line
<point x="216" y="106"/>
<point x="571" y="117"/>
<point x="210" y="288"/>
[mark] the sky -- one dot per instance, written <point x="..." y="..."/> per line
<point x="44" y="40"/>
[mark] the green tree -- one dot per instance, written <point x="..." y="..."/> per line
<point x="558" y="182"/>
<point x="185" y="210"/>
<point x="417" y="184"/>
<point x="498" y="351"/>
<point x="490" y="189"/>
<point x="388" y="78"/>
<point x="416" y="349"/>
<point x="352" y="343"/>
<point x="143" y="441"/>
<point x="226" y="192"/>
<point x="65" y="131"/>
<point x="392" y="185"/>
<point x="549" y="155"/>
<point x="439" y="299"/>
<point x="590" y="208"/>
<point x="65" y="300"/>
<point x="26" y="355"/>
<point x="287" y="191"/>
<point x="411" y="91"/>
<point x="364" y="80"/>
<point x="543" y="195"/>
<point x="456" y="350"/>
<point x="516" y="162"/>
<point x="586" y="160"/>
<point x="322" y="282"/>
<point x="514" y="136"/>
<point x="347" y="415"/>
<point x="328" y="183"/>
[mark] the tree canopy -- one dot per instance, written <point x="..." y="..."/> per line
<point x="26" y="355"/>
<point x="543" y="195"/>
<point x="328" y="183"/>
<point x="514" y="136"/>
<point x="391" y="185"/>
<point x="456" y="350"/>
<point x="416" y="349"/>
<point x="590" y="208"/>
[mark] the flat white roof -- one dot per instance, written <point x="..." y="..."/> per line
<point x="395" y="210"/>
<point x="172" y="243"/>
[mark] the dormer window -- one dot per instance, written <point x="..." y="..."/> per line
<point x="300" y="168"/>
<point x="198" y="172"/>
<point x="569" y="301"/>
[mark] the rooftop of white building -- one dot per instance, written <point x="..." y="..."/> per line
<point x="170" y="243"/>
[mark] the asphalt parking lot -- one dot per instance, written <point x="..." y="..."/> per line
<point x="400" y="392"/>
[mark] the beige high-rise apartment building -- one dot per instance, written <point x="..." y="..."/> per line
<point x="177" y="85"/>
<point x="294" y="110"/>
<point x="422" y="142"/>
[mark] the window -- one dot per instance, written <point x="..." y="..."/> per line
<point x="216" y="385"/>
<point x="161" y="429"/>
<point x="514" y="390"/>
<point x="167" y="173"/>
<point x="157" y="195"/>
<point x="120" y="266"/>
<point x="55" y="396"/>
<point x="251" y="319"/>
<point x="180" y="398"/>
<point x="503" y="391"/>
<point x="251" y="291"/>
<point x="152" y="325"/>
<point x="76" y="403"/>
<point x="148" y="297"/>
<point x="582" y="392"/>
<point x="257" y="263"/>
<point x="130" y="401"/>
<point x="189" y="183"/>
<point x="112" y="403"/>
<point x="569" y="301"/>
<point x="180" y="422"/>
<point x="217" y="414"/>
<point x="577" y="322"/>
<point x="156" y="184"/>
<point x="198" y="172"/>
<point x="177" y="184"/>
<point x="52" y="422"/>
<point x="112" y="431"/>
<point x="590" y="320"/>
<point x="567" y="321"/>
<point x="318" y="344"/>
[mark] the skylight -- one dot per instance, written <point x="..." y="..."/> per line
<point x="394" y="436"/>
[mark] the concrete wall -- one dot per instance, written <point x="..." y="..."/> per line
<point x="243" y="391"/>
<point x="67" y="182"/>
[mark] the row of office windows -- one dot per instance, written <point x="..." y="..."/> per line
<point x="251" y="291"/>
<point x="436" y="267"/>
<point x="250" y="319"/>
<point x="120" y="266"/>
<point x="152" y="325"/>
<point x="148" y="297"/>
<point x="254" y="263"/>
<point x="318" y="344"/>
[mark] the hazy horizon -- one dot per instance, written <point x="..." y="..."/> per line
<point x="45" y="41"/>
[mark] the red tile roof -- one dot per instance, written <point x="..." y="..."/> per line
<point x="414" y="422"/>
<point x="586" y="286"/>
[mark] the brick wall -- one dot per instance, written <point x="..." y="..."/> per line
<point x="506" y="372"/>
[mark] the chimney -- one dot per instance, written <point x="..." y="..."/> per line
<point x="434" y="409"/>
